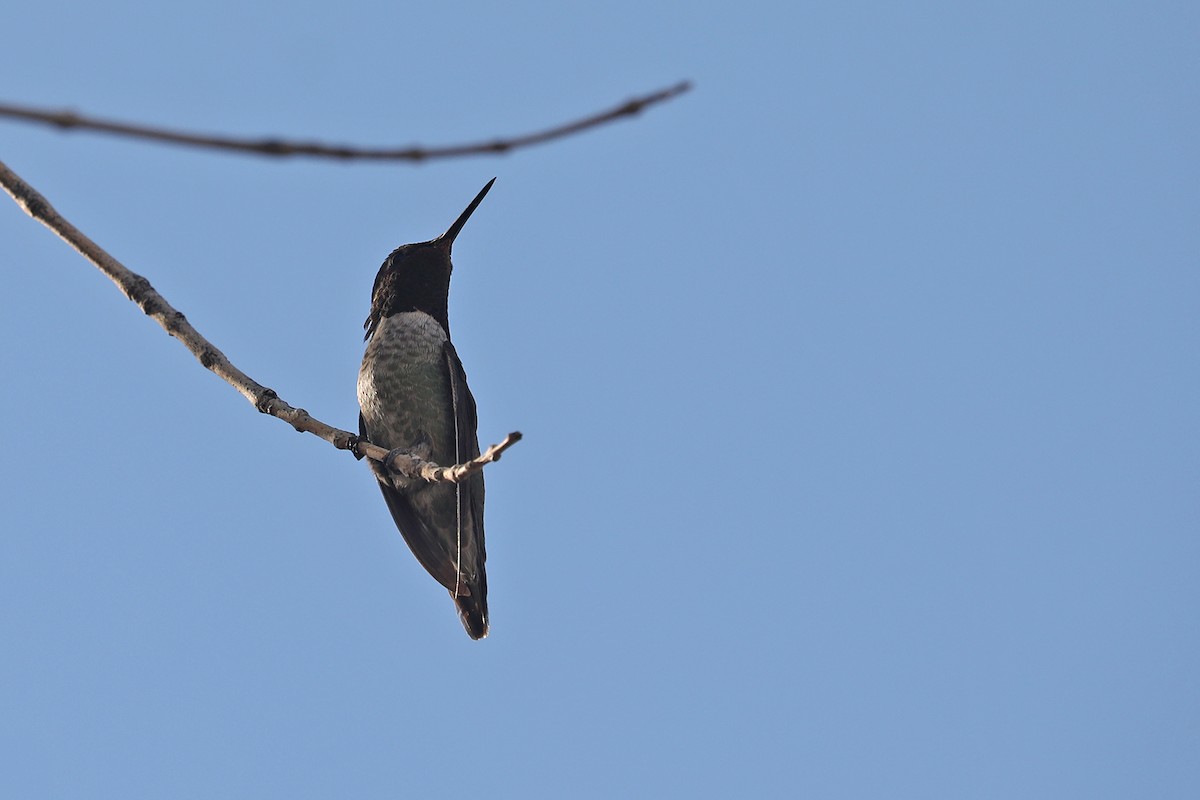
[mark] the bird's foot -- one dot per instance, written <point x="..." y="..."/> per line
<point x="403" y="474"/>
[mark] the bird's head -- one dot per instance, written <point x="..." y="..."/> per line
<point x="416" y="277"/>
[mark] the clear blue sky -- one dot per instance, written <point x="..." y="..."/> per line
<point x="860" y="389"/>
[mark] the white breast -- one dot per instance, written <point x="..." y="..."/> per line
<point x="403" y="390"/>
<point x="412" y="337"/>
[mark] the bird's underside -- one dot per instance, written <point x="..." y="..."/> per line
<point x="413" y="396"/>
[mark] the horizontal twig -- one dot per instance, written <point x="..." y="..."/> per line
<point x="68" y="120"/>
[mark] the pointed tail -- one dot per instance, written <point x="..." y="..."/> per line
<point x="472" y="610"/>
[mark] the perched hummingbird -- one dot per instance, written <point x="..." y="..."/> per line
<point x="413" y="396"/>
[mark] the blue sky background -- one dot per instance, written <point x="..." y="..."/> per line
<point x="859" y="387"/>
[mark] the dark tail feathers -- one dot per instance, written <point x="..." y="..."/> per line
<point x="472" y="610"/>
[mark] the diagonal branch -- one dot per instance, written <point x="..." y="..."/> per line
<point x="68" y="120"/>
<point x="408" y="464"/>
<point x="138" y="289"/>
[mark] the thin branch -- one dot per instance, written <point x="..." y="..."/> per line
<point x="68" y="120"/>
<point x="138" y="289"/>
<point x="409" y="465"/>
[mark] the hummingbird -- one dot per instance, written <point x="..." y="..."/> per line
<point x="413" y="397"/>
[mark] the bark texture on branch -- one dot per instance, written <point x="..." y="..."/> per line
<point x="71" y="120"/>
<point x="138" y="289"/>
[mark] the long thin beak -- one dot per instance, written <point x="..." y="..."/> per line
<point x="446" y="240"/>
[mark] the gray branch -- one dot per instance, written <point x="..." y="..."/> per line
<point x="138" y="289"/>
<point x="68" y="120"/>
<point x="410" y="465"/>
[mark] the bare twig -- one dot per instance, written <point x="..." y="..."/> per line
<point x="139" y="290"/>
<point x="67" y="120"/>
<point x="409" y="465"/>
